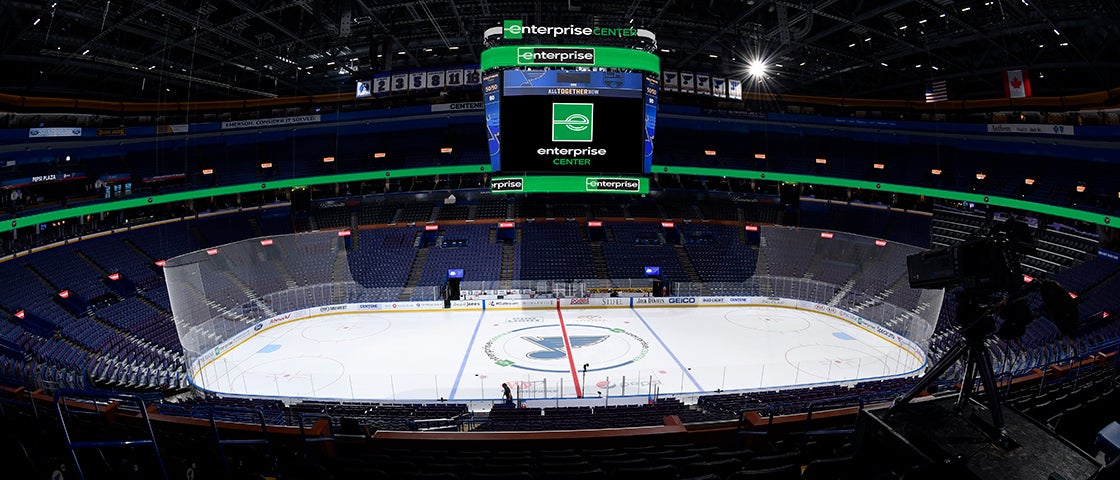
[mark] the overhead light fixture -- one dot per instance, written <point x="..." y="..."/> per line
<point x="445" y="150"/>
<point x="402" y="52"/>
<point x="965" y="9"/>
<point x="904" y="27"/>
<point x="710" y="153"/>
<point x="208" y="171"/>
<point x="36" y="22"/>
<point x="936" y="171"/>
<point x="878" y="166"/>
<point x="880" y="243"/>
<point x="427" y="49"/>
<point x="884" y="64"/>
<point x="266" y="165"/>
<point x="328" y="159"/>
<point x="923" y="21"/>
<point x="760" y="156"/>
<point x="379" y="155"/>
<point x="822" y="161"/>
<point x="1080" y="189"/>
<point x="1028" y="181"/>
<point x="981" y="176"/>
<point x="664" y="50"/>
<point x="453" y="47"/>
<point x="712" y="55"/>
<point x="756" y="69"/>
<point x="851" y="45"/>
<point x="86" y="52"/>
<point x="826" y="235"/>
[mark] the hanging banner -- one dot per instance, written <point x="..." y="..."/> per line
<point x="671" y="80"/>
<point x="735" y="89"/>
<point x="454" y="77"/>
<point x="399" y="83"/>
<point x="688" y="82"/>
<point x="417" y="81"/>
<point x="436" y="79"/>
<point x="703" y="84"/>
<point x="719" y="87"/>
<point x="381" y="83"/>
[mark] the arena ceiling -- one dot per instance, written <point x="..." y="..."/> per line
<point x="174" y="50"/>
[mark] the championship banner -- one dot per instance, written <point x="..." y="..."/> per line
<point x="703" y="84"/>
<point x="436" y="79"/>
<point x="735" y="89"/>
<point x="671" y="80"/>
<point x="719" y="87"/>
<point x="688" y="82"/>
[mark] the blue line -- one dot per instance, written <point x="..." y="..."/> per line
<point x="670" y="352"/>
<point x="463" y="366"/>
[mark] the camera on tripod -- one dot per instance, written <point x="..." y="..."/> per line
<point x="982" y="265"/>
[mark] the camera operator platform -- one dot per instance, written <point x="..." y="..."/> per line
<point x="991" y="284"/>
<point x="952" y="438"/>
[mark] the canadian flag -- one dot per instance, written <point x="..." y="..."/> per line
<point x="1016" y="84"/>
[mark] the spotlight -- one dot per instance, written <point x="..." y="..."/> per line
<point x="756" y="69"/>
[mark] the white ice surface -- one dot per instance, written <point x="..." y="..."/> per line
<point x="463" y="355"/>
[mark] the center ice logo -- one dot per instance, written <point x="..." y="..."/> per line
<point x="540" y="348"/>
<point x="554" y="346"/>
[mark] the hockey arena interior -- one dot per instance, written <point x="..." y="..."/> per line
<point x="465" y="240"/>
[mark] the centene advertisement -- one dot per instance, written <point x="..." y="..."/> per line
<point x="560" y="121"/>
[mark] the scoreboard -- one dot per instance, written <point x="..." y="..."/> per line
<point x="572" y="111"/>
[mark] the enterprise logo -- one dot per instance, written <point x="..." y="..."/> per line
<point x="613" y="184"/>
<point x="516" y="30"/>
<point x="555" y="56"/>
<point x="573" y="122"/>
<point x="507" y="185"/>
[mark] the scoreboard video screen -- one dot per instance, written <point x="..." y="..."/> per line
<point x="570" y="121"/>
<point x="566" y="121"/>
<point x="570" y="118"/>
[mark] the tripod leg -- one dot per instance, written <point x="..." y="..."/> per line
<point x="968" y="381"/>
<point x="933" y="374"/>
<point x="988" y="377"/>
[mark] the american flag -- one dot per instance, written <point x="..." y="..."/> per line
<point x="937" y="92"/>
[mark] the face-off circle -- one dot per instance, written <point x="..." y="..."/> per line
<point x="774" y="320"/>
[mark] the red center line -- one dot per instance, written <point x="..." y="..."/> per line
<point x="568" y="348"/>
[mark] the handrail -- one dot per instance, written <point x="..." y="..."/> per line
<point x="840" y="402"/>
<point x="73" y="445"/>
<point x="255" y="412"/>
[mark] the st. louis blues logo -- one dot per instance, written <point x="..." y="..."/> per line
<point x="540" y="348"/>
<point x="554" y="346"/>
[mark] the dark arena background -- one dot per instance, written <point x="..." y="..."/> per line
<point x="300" y="239"/>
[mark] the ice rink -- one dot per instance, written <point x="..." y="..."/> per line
<point x="464" y="355"/>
